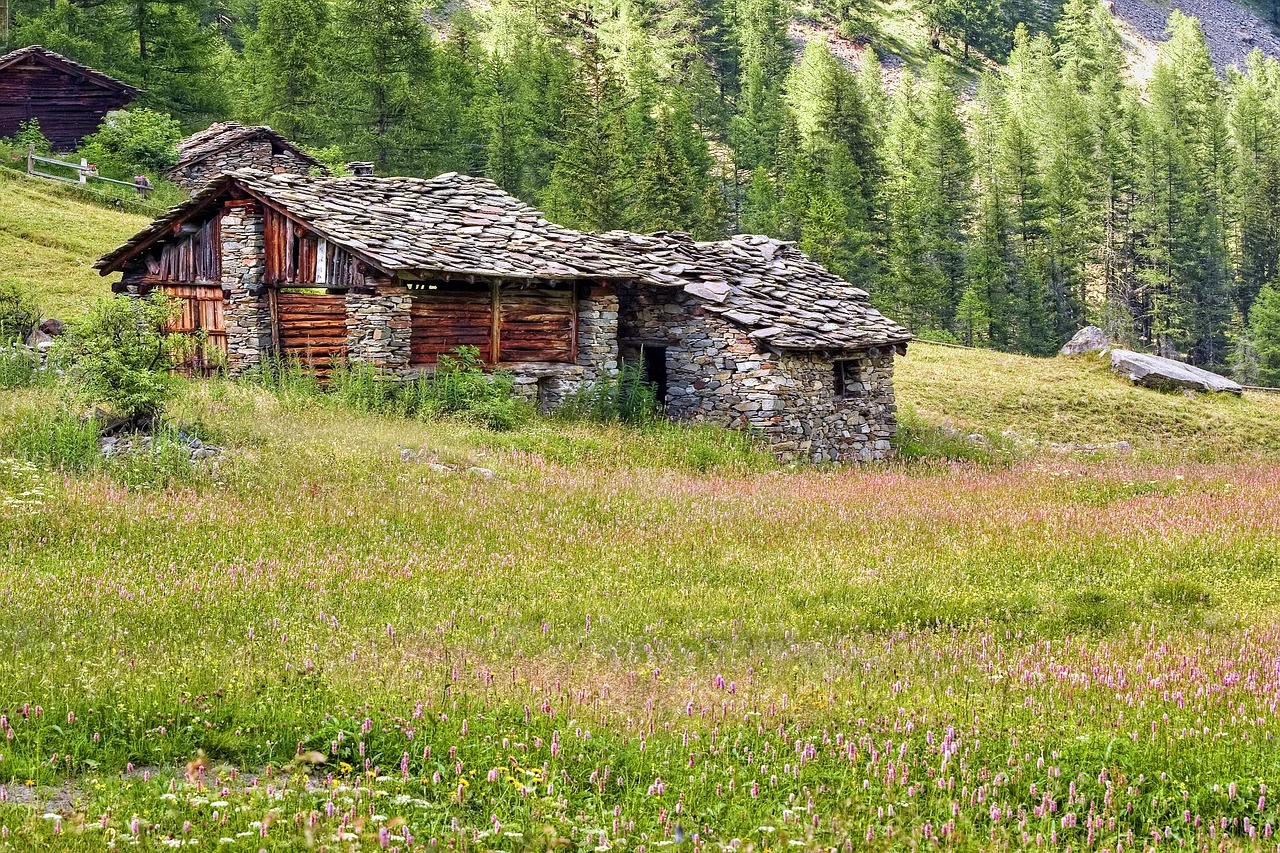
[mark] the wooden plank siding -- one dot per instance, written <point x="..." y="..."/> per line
<point x="292" y="256"/>
<point x="528" y="323"/>
<point x="200" y="312"/>
<point x="311" y="327"/>
<point x="193" y="259"/>
<point x="69" y="106"/>
<point x="444" y="319"/>
<point x="537" y="324"/>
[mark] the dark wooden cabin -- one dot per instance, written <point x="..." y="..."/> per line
<point x="68" y="99"/>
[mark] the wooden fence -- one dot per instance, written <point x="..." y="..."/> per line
<point x="83" y="171"/>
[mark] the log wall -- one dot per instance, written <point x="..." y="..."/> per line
<point x="311" y="327"/>
<point x="529" y="324"/>
<point x="68" y="106"/>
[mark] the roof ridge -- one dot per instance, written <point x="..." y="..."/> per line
<point x="45" y="53"/>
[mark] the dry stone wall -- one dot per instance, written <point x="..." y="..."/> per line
<point x="251" y="154"/>
<point x="378" y="327"/>
<point x="716" y="374"/>
<point x="245" y="306"/>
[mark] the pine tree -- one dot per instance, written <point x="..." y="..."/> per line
<point x="382" y="76"/>
<point x="1264" y="327"/>
<point x="591" y="182"/>
<point x="284" y="66"/>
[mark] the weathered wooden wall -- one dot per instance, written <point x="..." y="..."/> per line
<point x="311" y="327"/>
<point x="449" y="317"/>
<point x="295" y="255"/>
<point x="190" y="259"/>
<point x="200" y="315"/>
<point x="531" y="323"/>
<point x="68" y="106"/>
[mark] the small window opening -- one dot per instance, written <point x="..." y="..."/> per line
<point x="549" y="393"/>
<point x="846" y="379"/>
<point x="276" y="148"/>
<point x="654" y="369"/>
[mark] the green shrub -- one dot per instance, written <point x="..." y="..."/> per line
<point x="624" y="397"/>
<point x="132" y="141"/>
<point x="29" y="134"/>
<point x="18" y="316"/>
<point x="120" y="356"/>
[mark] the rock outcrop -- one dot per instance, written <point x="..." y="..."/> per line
<point x="1089" y="339"/>
<point x="1165" y="374"/>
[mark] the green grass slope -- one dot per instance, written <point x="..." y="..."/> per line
<point x="1079" y="401"/>
<point x="49" y="239"/>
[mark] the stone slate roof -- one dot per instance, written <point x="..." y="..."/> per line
<point x="223" y="135"/>
<point x="779" y="294"/>
<point x="57" y="59"/>
<point x="458" y="225"/>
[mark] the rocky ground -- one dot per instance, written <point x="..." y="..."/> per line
<point x="1231" y="31"/>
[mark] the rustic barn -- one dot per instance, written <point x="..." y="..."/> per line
<point x="229" y="145"/>
<point x="395" y="272"/>
<point x="68" y="99"/>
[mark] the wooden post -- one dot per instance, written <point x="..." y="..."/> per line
<point x="31" y="159"/>
<point x="84" y="171"/>
<point x="495" y="328"/>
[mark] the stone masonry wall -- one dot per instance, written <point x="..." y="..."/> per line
<point x="716" y="374"/>
<point x="247" y="314"/>
<point x="252" y="154"/>
<point x="378" y="327"/>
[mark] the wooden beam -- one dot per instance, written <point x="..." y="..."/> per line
<point x="495" y="328"/>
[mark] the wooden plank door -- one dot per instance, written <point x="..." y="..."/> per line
<point x="201" y="317"/>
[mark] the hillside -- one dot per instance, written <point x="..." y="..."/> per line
<point x="1078" y="401"/>
<point x="49" y="239"/>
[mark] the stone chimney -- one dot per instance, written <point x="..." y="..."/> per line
<point x="361" y="169"/>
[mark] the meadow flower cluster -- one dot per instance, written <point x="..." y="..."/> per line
<point x="334" y="649"/>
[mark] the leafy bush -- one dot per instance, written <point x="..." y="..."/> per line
<point x="624" y="397"/>
<point x="29" y="134"/>
<point x="17" y="315"/>
<point x="132" y="141"/>
<point x="120" y="355"/>
<point x="333" y="158"/>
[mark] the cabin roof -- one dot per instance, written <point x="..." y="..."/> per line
<point x="225" y="134"/>
<point x="780" y="295"/>
<point x="60" y="62"/>
<point x="458" y="225"/>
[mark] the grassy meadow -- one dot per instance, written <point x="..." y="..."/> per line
<point x="352" y="631"/>
<point x="361" y="632"/>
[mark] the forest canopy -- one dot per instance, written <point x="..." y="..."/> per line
<point x="995" y="205"/>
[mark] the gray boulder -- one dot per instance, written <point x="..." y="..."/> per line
<point x="1089" y="339"/>
<point x="1165" y="374"/>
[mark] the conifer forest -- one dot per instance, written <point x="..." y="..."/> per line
<point x="1002" y="188"/>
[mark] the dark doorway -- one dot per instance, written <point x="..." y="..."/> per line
<point x="655" y="372"/>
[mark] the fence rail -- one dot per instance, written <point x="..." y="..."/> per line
<point x="84" y="173"/>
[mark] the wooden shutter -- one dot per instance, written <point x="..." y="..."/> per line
<point x="312" y="327"/>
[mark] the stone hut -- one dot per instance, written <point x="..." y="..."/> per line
<point x="68" y="99"/>
<point x="229" y="145"/>
<point x="395" y="272"/>
<point x="751" y="333"/>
